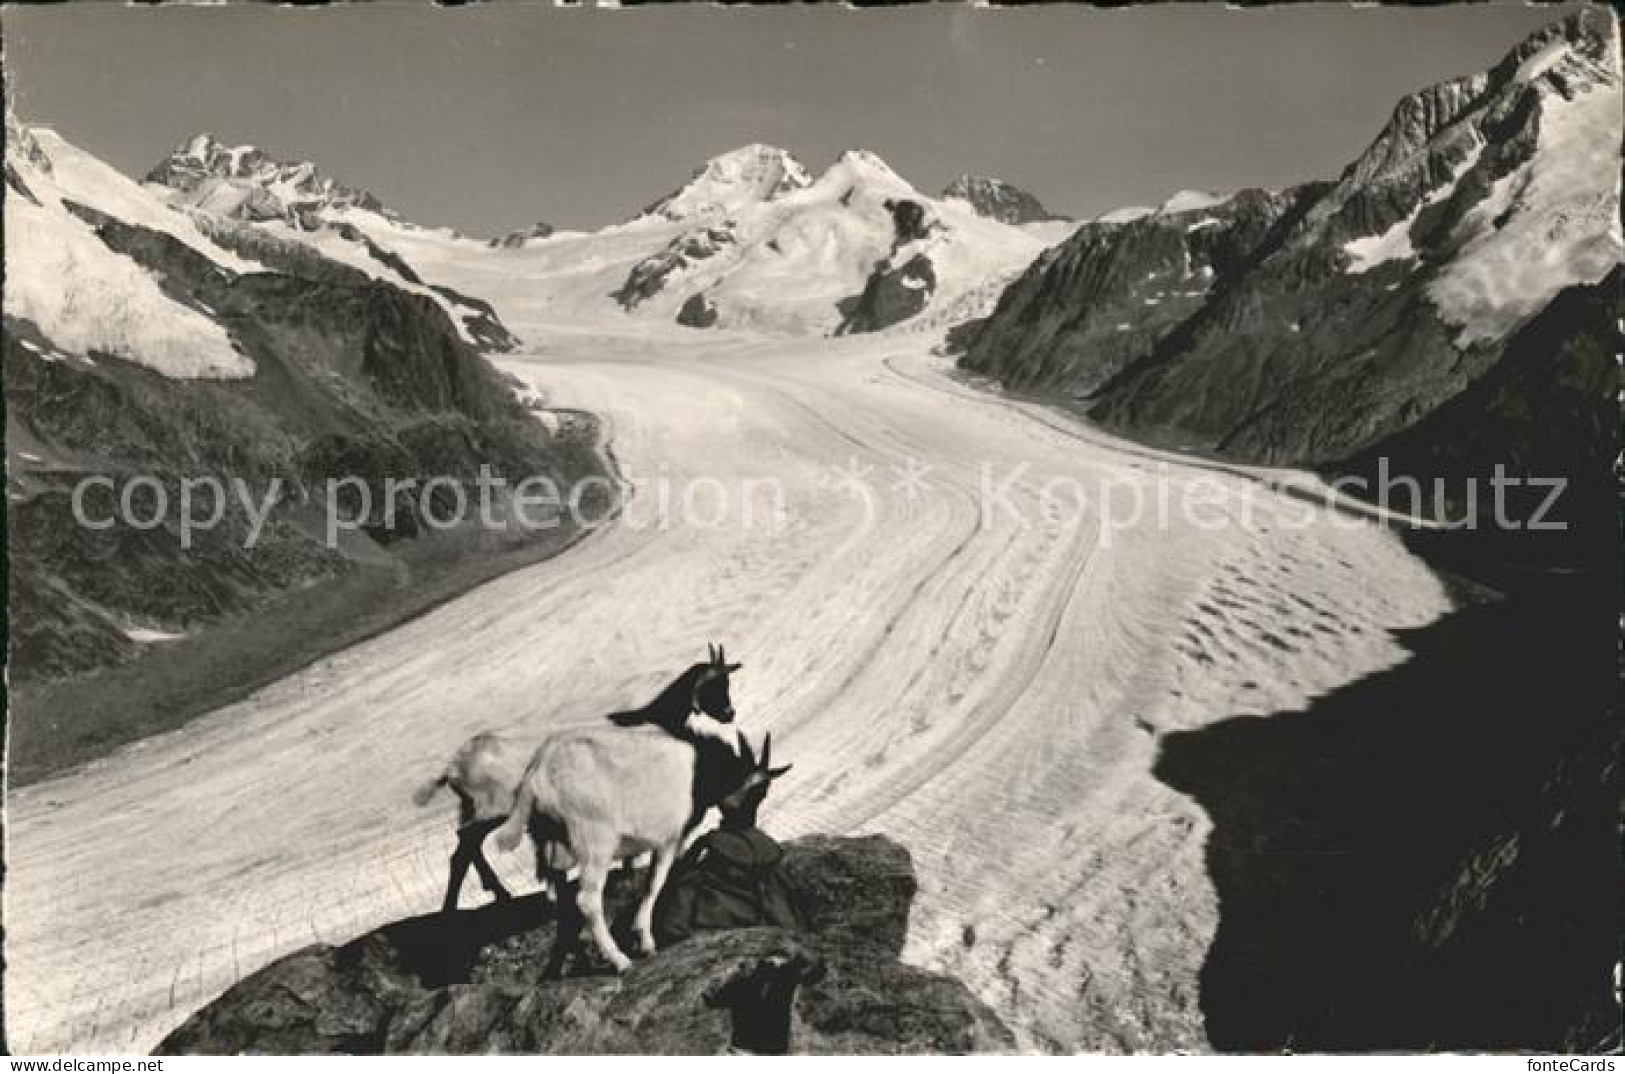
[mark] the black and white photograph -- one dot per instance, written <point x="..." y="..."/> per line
<point x="928" y="529"/>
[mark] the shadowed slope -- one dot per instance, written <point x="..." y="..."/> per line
<point x="1425" y="858"/>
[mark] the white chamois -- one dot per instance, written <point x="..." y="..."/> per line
<point x="617" y="791"/>
<point x="484" y="772"/>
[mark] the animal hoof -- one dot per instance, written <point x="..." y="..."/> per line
<point x="621" y="964"/>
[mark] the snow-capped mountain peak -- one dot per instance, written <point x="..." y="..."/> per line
<point x="864" y="170"/>
<point x="858" y="249"/>
<point x="726" y="183"/>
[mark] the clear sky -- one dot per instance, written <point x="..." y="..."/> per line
<point x="490" y="117"/>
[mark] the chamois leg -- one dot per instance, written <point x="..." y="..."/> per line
<point x="488" y="876"/>
<point x="659" y="869"/>
<point x="462" y="856"/>
<point x="454" y="883"/>
<point x="468" y="853"/>
<point x="590" y="898"/>
<point x="550" y="842"/>
<point x="567" y="931"/>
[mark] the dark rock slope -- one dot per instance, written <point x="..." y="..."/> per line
<point x="1317" y="325"/>
<point x="469" y="982"/>
<point x="891" y="295"/>
<point x="1427" y="858"/>
<point x="352" y="377"/>
<point x="1092" y="306"/>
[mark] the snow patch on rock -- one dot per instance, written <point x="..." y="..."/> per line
<point x="1125" y="215"/>
<point x="1394" y="244"/>
<point x="1190" y="200"/>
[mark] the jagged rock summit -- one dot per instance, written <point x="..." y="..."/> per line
<point x="469" y="982"/>
<point x="998" y="200"/>
<point x="247" y="183"/>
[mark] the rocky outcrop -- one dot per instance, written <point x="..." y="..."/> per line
<point x="479" y="320"/>
<point x="650" y="276"/>
<point x="697" y="311"/>
<point x="469" y="982"/>
<point x="998" y="200"/>
<point x="517" y="240"/>
<point x="892" y="295"/>
<point x="910" y="221"/>
<point x="276" y="252"/>
<point x="1315" y="325"/>
<point x="902" y="284"/>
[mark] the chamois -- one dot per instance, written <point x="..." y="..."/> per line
<point x="740" y="805"/>
<point x="484" y="772"/>
<point x="613" y="792"/>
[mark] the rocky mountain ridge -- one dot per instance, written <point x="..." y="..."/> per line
<point x="1314" y="325"/>
<point x="246" y="182"/>
<point x="145" y="342"/>
<point x="223" y="186"/>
